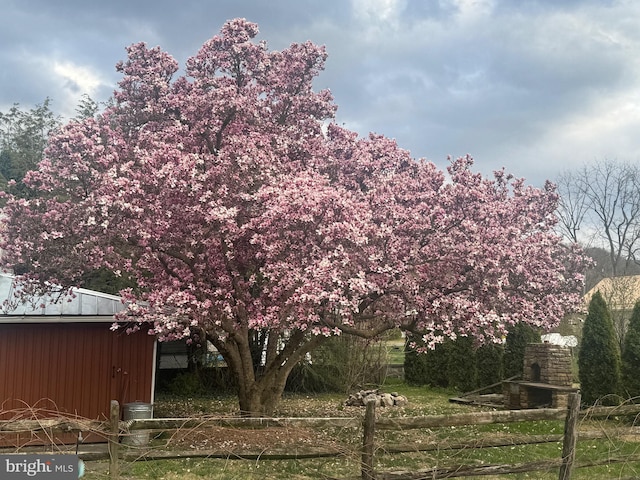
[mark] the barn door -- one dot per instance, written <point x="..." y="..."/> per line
<point x="131" y="367"/>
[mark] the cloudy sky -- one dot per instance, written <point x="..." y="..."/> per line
<point x="536" y="86"/>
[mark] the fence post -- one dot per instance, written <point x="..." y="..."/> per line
<point x="368" y="434"/>
<point x="570" y="437"/>
<point x="114" y="445"/>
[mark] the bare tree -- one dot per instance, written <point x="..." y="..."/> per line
<point x="613" y="193"/>
<point x="600" y="206"/>
<point x="573" y="206"/>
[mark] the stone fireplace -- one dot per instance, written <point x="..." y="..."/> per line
<point x="546" y="379"/>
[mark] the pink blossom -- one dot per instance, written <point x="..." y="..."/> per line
<point x="221" y="193"/>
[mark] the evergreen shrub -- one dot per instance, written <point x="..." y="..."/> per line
<point x="599" y="356"/>
<point x="631" y="356"/>
<point x="426" y="368"/>
<point x="462" y="370"/>
<point x="489" y="365"/>
<point x="518" y="336"/>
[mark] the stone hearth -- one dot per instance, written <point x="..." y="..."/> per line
<point x="546" y="379"/>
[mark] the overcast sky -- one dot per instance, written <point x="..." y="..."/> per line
<point x="536" y="86"/>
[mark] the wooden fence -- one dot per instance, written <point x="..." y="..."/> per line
<point x="565" y="463"/>
<point x="114" y="430"/>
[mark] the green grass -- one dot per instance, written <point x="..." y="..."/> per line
<point x="235" y="469"/>
<point x="423" y="401"/>
<point x="395" y="352"/>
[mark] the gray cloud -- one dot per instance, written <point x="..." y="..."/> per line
<point x="536" y="86"/>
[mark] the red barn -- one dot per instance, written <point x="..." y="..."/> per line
<point x="64" y="357"/>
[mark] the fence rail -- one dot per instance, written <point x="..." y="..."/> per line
<point x="114" y="429"/>
<point x="477" y="418"/>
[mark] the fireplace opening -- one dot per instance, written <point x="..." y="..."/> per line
<point x="535" y="372"/>
<point x="540" y="397"/>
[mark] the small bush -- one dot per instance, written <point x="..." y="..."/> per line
<point x="342" y="364"/>
<point x="187" y="384"/>
<point x="196" y="382"/>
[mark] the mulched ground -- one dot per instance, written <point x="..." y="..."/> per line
<point x="267" y="439"/>
<point x="234" y="439"/>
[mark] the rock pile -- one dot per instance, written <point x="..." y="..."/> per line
<point x="361" y="398"/>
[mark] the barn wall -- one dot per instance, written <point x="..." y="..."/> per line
<point x="73" y="368"/>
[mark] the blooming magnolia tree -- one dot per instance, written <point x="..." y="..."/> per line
<point x="248" y="218"/>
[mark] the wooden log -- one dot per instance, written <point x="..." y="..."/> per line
<point x="51" y="425"/>
<point x="94" y="456"/>
<point x="177" y="423"/>
<point x="133" y="454"/>
<point x="440" y="445"/>
<point x="475" y="418"/>
<point x="604" y="412"/>
<point x="504" y="441"/>
<point x="570" y="437"/>
<point x="631" y="458"/>
<point x="487" y="387"/>
<point x="368" y="441"/>
<point x="475" y="402"/>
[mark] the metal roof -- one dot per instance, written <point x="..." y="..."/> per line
<point x="81" y="302"/>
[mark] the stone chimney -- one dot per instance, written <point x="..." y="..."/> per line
<point x="547" y="363"/>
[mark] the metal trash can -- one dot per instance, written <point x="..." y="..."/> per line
<point x="137" y="411"/>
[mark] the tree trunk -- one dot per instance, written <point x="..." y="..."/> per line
<point x="260" y="386"/>
<point x="260" y="397"/>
